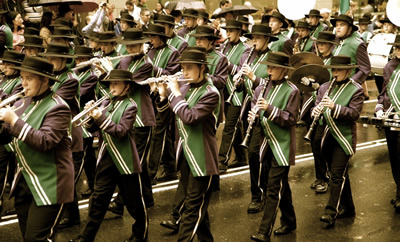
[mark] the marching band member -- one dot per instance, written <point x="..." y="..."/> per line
<point x="232" y="133"/>
<point x="39" y="130"/>
<point x="32" y="45"/>
<point x="253" y="72"/>
<point x="6" y="36"/>
<point x="277" y="22"/>
<point x="313" y="18"/>
<point x="68" y="89"/>
<point x="277" y="102"/>
<point x="165" y="59"/>
<point x="304" y="41"/>
<point x="351" y="45"/>
<point x="108" y="44"/>
<point x="386" y="106"/>
<point x="126" y="22"/>
<point x="340" y="102"/>
<point x="196" y="106"/>
<point x="363" y="29"/>
<point x="64" y="36"/>
<point x="176" y="41"/>
<point x="190" y="16"/>
<point x="118" y="159"/>
<point x="141" y="67"/>
<point x="94" y="44"/>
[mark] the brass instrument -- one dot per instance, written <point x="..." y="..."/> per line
<point x="317" y="117"/>
<point x="164" y="78"/>
<point x="101" y="60"/>
<point x="296" y="47"/>
<point x="76" y="121"/>
<point x="246" y="139"/>
<point x="11" y="99"/>
<point x="238" y="80"/>
<point x="380" y="122"/>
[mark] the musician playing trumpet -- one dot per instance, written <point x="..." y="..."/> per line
<point x="340" y="108"/>
<point x="276" y="103"/>
<point x="386" y="106"/>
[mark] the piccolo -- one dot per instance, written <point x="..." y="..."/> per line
<point x="99" y="60"/>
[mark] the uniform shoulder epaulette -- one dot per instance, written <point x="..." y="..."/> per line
<point x="3" y="27"/>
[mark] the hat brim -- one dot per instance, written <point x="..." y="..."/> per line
<point x="312" y="15"/>
<point x="117" y="80"/>
<point x="133" y="42"/>
<point x="35" y="72"/>
<point x="107" y="40"/>
<point x="3" y="12"/>
<point x="267" y="17"/>
<point x="31" y="45"/>
<point x="204" y="35"/>
<point x="394" y="44"/>
<point x="155" y="33"/>
<point x="333" y="22"/>
<point x="163" y="22"/>
<point x="345" y="67"/>
<point x="326" y="41"/>
<point x="193" y="62"/>
<point x="268" y="63"/>
<point x="62" y="36"/>
<point x="83" y="55"/>
<point x="69" y="56"/>
<point x="11" y="61"/>
<point x="126" y="20"/>
<point x="189" y="15"/>
<point x="231" y="27"/>
<point x="271" y="37"/>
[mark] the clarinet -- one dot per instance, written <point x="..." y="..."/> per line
<point x="238" y="80"/>
<point x="317" y="117"/>
<point x="246" y="139"/>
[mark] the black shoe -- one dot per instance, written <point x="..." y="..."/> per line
<point x="170" y="224"/>
<point x="66" y="223"/>
<point x="236" y="163"/>
<point x="223" y="168"/>
<point x="167" y="176"/>
<point x="255" y="207"/>
<point x="135" y="239"/>
<point x="87" y="193"/>
<point x="322" y="187"/>
<point x="11" y="211"/>
<point x="285" y="229"/>
<point x="316" y="183"/>
<point x="327" y="219"/>
<point x="79" y="239"/>
<point x="260" y="237"/>
<point x="116" y="208"/>
<point x="344" y="213"/>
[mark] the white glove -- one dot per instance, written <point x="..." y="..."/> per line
<point x="237" y="76"/>
<point x="97" y="72"/>
<point x="306" y="81"/>
<point x="379" y="113"/>
<point x="315" y="85"/>
<point x="316" y="110"/>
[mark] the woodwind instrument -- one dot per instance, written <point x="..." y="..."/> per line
<point x="164" y="78"/>
<point x="246" y="139"/>
<point x="100" y="60"/>
<point x="238" y="80"/>
<point x="317" y="117"/>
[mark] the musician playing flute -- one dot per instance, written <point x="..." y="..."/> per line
<point x="190" y="16"/>
<point x="388" y="105"/>
<point x="39" y="131"/>
<point x="232" y="133"/>
<point x="168" y="21"/>
<point x="196" y="106"/>
<point x="276" y="102"/>
<point x="340" y="102"/>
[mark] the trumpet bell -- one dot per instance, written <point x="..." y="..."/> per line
<point x="313" y="71"/>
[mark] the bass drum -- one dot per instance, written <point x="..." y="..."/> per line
<point x="379" y="51"/>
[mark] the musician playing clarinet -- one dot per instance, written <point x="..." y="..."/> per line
<point x="340" y="102"/>
<point x="387" y="105"/>
<point x="276" y="102"/>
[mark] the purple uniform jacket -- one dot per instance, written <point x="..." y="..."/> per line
<point x="244" y="58"/>
<point x="118" y="130"/>
<point x="383" y="98"/>
<point x="202" y="113"/>
<point x="183" y="46"/>
<point x="87" y="88"/>
<point x="4" y="95"/>
<point x="307" y="102"/>
<point x="172" y="66"/>
<point x="350" y="113"/>
<point x="140" y="75"/>
<point x="52" y="135"/>
<point x="231" y="66"/>
<point x="67" y="91"/>
<point x="184" y="31"/>
<point x="285" y="118"/>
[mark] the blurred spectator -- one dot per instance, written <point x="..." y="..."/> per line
<point x="144" y="19"/>
<point x="325" y="13"/>
<point x="45" y="29"/>
<point x="15" y="6"/>
<point x="352" y="10"/>
<point x="159" y="9"/>
<point x="142" y="4"/>
<point x="15" y="22"/>
<point x="96" y="22"/>
<point x="132" y="10"/>
<point x="369" y="8"/>
<point x="251" y="19"/>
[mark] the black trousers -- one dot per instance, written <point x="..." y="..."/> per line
<point x="379" y="82"/>
<point x="162" y="146"/>
<point x="232" y="135"/>
<point x="7" y="167"/>
<point x="90" y="160"/>
<point x="37" y="223"/>
<point x="257" y="169"/>
<point x="196" y="194"/>
<point x="142" y="138"/>
<point x="321" y="169"/>
<point x="279" y="196"/>
<point x="130" y="186"/>
<point x="340" y="195"/>
<point x="393" y="143"/>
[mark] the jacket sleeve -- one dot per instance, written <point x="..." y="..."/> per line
<point x="53" y="130"/>
<point x="67" y="91"/>
<point x="221" y="73"/>
<point x="87" y="89"/>
<point x="364" y="65"/>
<point x="171" y="68"/>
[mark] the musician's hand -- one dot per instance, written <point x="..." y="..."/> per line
<point x="305" y="81"/>
<point x="237" y="76"/>
<point x="153" y="87"/>
<point x="8" y="115"/>
<point x="317" y="110"/>
<point x="95" y="113"/>
<point x="174" y="87"/>
<point x="262" y="104"/>
<point x="248" y="72"/>
<point x="253" y="114"/>
<point x="99" y="70"/>
<point x="88" y="105"/>
<point x="315" y="85"/>
<point x="379" y="114"/>
<point x="162" y="90"/>
<point x="327" y="102"/>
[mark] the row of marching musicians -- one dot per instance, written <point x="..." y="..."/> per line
<point x="40" y="126"/>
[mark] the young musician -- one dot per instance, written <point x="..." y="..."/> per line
<point x="190" y="16"/>
<point x="196" y="106"/>
<point x="118" y="159"/>
<point x="232" y="133"/>
<point x="39" y="129"/>
<point x="277" y="22"/>
<point x="303" y="42"/>
<point x="313" y="19"/>
<point x="340" y="102"/>
<point x="126" y="22"/>
<point x="276" y="102"/>
<point x="387" y="105"/>
<point x="168" y="21"/>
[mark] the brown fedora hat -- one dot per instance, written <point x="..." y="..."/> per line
<point x="38" y="66"/>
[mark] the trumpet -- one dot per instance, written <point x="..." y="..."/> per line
<point x="77" y="120"/>
<point x="317" y="117"/>
<point x="11" y="99"/>
<point x="164" y="78"/>
<point x="238" y="80"/>
<point x="96" y="60"/>
<point x="246" y="139"/>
